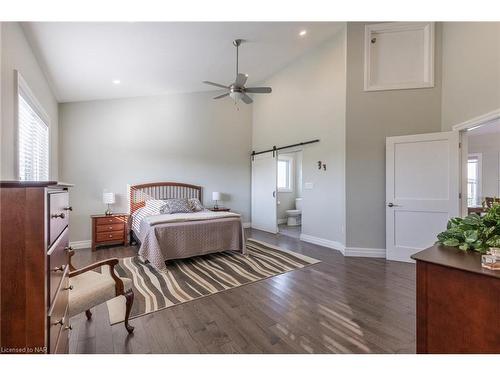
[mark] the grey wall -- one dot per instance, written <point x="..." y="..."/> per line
<point x="489" y="146"/>
<point x="18" y="55"/>
<point x="370" y="118"/>
<point x="471" y="70"/>
<point x="308" y="102"/>
<point x="188" y="138"/>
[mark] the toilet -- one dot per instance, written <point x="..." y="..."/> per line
<point x="294" y="216"/>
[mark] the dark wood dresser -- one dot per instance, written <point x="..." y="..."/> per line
<point x="458" y="303"/>
<point x="34" y="281"/>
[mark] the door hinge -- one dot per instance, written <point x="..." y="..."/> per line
<point x="459" y="195"/>
<point x="460" y="145"/>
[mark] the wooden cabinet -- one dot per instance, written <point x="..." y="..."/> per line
<point x="458" y="303"/>
<point x="34" y="281"/>
<point x="110" y="230"/>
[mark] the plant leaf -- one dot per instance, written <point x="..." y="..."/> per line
<point x="451" y="242"/>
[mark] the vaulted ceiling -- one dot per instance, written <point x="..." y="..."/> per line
<point x="83" y="59"/>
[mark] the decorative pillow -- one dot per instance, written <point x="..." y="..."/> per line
<point x="153" y="206"/>
<point x="173" y="206"/>
<point x="195" y="205"/>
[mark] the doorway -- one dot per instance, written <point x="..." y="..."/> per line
<point x="480" y="166"/>
<point x="289" y="197"/>
<point x="276" y="195"/>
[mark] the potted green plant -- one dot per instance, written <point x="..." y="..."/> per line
<point x="474" y="232"/>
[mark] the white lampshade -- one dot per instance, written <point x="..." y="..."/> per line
<point x="216" y="196"/>
<point x="108" y="198"/>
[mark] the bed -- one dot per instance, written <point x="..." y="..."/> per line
<point x="164" y="237"/>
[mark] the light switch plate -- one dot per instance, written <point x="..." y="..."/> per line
<point x="308" y="185"/>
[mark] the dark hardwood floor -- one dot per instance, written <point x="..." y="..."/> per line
<point x="342" y="305"/>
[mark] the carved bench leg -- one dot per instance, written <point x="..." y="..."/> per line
<point x="88" y="314"/>
<point x="129" y="297"/>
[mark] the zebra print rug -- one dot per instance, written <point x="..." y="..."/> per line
<point x="189" y="279"/>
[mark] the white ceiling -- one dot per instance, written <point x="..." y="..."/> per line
<point x="82" y="59"/>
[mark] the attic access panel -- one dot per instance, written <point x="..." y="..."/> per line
<point x="399" y="55"/>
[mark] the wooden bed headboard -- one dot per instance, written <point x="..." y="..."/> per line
<point x="138" y="194"/>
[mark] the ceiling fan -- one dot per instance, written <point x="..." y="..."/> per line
<point x="237" y="90"/>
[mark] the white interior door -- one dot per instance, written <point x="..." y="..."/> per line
<point x="264" y="169"/>
<point x="422" y="190"/>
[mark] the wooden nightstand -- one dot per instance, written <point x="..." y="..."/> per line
<point x="221" y="209"/>
<point x="110" y="230"/>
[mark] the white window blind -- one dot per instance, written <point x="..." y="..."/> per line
<point x="33" y="141"/>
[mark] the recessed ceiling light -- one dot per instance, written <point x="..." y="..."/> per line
<point x="303" y="32"/>
<point x="116" y="81"/>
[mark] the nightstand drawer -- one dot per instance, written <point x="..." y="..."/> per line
<point x="110" y="227"/>
<point x="110" y="236"/>
<point x="111" y="220"/>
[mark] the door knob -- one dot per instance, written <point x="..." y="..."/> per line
<point x="392" y="205"/>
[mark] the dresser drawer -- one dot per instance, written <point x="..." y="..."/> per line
<point x="58" y="313"/>
<point x="110" y="228"/>
<point x="110" y="220"/>
<point x="58" y="263"/>
<point x="58" y="214"/>
<point x="62" y="346"/>
<point x="110" y="236"/>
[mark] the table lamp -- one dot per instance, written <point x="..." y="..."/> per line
<point x="108" y="198"/>
<point x="216" y="196"/>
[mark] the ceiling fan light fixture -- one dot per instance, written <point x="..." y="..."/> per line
<point x="237" y="90"/>
<point x="236" y="95"/>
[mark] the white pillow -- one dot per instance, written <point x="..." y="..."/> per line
<point x="153" y="206"/>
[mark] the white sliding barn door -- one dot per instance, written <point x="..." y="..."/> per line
<point x="264" y="216"/>
<point x="422" y="190"/>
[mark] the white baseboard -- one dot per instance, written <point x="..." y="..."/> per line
<point x="86" y="244"/>
<point x="323" y="242"/>
<point x="247" y="225"/>
<point x="282" y="221"/>
<point x="364" y="252"/>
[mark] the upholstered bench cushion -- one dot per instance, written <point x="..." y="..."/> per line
<point x="91" y="289"/>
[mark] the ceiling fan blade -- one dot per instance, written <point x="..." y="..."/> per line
<point x="246" y="99"/>
<point x="222" y="96"/>
<point x="215" y="84"/>
<point x="258" y="90"/>
<point x="240" y="80"/>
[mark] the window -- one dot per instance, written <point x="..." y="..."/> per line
<point x="33" y="136"/>
<point x="285" y="176"/>
<point x="474" y="180"/>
